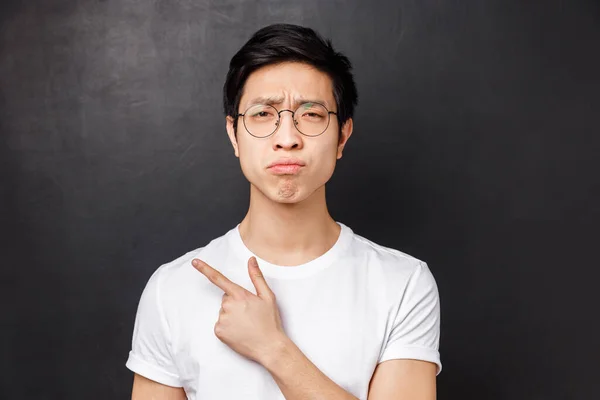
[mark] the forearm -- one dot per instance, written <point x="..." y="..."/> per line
<point x="298" y="378"/>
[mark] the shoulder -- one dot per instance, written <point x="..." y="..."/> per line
<point x="173" y="278"/>
<point x="389" y="260"/>
<point x="391" y="270"/>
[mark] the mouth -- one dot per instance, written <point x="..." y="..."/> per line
<point x="285" y="169"/>
<point x="286" y="166"/>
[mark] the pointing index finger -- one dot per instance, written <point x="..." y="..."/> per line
<point x="217" y="278"/>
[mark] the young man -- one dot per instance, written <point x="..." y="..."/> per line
<point x="289" y="304"/>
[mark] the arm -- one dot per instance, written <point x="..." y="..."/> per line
<point x="410" y="362"/>
<point x="156" y="376"/>
<point x="146" y="389"/>
<point x="298" y="378"/>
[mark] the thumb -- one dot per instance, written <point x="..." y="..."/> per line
<point x="260" y="284"/>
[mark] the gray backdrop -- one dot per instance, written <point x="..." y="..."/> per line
<point x="476" y="149"/>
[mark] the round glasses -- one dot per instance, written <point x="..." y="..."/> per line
<point x="310" y="119"/>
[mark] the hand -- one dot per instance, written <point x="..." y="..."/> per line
<point x="249" y="324"/>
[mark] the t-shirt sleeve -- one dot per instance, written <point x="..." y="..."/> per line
<point x="150" y="354"/>
<point x="415" y="331"/>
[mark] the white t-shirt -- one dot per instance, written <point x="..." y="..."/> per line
<point x="353" y="307"/>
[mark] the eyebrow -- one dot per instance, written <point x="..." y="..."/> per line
<point x="271" y="100"/>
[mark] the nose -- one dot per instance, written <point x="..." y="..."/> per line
<point x="287" y="136"/>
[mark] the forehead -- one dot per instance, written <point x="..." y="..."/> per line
<point x="286" y="83"/>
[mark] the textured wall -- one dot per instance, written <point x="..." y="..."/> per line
<point x="475" y="148"/>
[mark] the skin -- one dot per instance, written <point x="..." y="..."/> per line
<point x="300" y="229"/>
<point x="292" y="206"/>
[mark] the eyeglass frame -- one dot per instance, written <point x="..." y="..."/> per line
<point x="277" y="124"/>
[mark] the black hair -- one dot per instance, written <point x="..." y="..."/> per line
<point x="279" y="43"/>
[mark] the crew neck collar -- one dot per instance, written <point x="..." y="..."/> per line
<point x="297" y="271"/>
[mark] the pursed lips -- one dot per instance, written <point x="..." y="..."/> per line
<point x="287" y="161"/>
<point x="287" y="166"/>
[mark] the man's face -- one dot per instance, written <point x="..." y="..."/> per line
<point x="289" y="84"/>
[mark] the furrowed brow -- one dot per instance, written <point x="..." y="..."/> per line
<point x="273" y="100"/>
<point x="267" y="100"/>
<point x="301" y="100"/>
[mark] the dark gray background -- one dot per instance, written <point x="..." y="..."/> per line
<point x="475" y="149"/>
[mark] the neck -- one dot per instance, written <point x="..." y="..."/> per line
<point x="288" y="234"/>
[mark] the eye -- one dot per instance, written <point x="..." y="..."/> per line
<point x="262" y="114"/>
<point x="313" y="112"/>
<point x="311" y="115"/>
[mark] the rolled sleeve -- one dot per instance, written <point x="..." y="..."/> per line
<point x="151" y="354"/>
<point x="415" y="332"/>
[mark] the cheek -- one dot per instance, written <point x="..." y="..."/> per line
<point x="249" y="161"/>
<point x="253" y="156"/>
<point x="324" y="160"/>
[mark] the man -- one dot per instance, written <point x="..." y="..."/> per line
<point x="289" y="304"/>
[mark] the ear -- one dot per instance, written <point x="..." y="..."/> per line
<point x="231" y="133"/>
<point x="345" y="134"/>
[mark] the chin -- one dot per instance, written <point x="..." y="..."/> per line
<point x="288" y="192"/>
<point x="285" y="192"/>
<point x="287" y="189"/>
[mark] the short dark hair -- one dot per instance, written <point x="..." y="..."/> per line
<point x="279" y="43"/>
